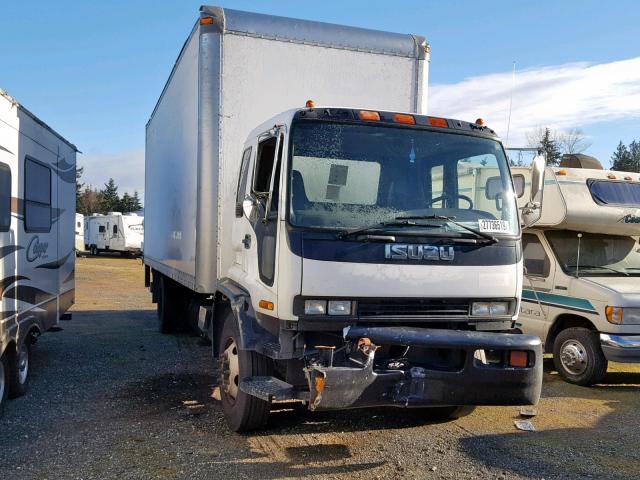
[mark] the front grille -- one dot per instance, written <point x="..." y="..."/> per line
<point x="385" y="309"/>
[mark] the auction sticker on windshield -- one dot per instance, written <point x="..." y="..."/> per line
<point x="487" y="225"/>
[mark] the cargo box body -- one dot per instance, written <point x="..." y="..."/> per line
<point x="235" y="71"/>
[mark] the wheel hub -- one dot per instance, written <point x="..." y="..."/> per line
<point x="23" y="364"/>
<point x="573" y="356"/>
<point x="230" y="369"/>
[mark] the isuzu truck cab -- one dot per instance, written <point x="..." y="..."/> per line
<point x="339" y="257"/>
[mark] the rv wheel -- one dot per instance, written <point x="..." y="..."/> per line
<point x="578" y="357"/>
<point x="4" y="379"/>
<point x="19" y="376"/>
<point x="243" y="412"/>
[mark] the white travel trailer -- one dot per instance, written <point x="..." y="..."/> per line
<point x="37" y="205"/>
<point x="114" y="232"/>
<point x="335" y="256"/>
<point x="581" y="292"/>
<point x="79" y="233"/>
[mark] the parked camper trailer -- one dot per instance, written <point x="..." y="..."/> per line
<point x="115" y="232"/>
<point x="581" y="293"/>
<point x="328" y="252"/>
<point x="37" y="205"/>
<point x="79" y="245"/>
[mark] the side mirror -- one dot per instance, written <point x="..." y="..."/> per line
<point x="250" y="208"/>
<point x="532" y="211"/>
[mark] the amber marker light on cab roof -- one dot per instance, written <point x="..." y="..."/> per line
<point x="404" y="118"/>
<point x="611" y="176"/>
<point x="310" y="104"/>
<point x="480" y="122"/>
<point x="438" y="122"/>
<point x="369" y="116"/>
<point x="206" y="21"/>
<point x="561" y="172"/>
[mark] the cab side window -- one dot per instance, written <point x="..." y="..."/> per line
<point x="5" y="197"/>
<point x="536" y="261"/>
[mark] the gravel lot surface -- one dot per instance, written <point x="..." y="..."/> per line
<point x="112" y="398"/>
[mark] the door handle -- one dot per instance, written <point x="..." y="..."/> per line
<point x="246" y="241"/>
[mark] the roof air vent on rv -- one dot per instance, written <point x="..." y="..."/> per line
<point x="579" y="160"/>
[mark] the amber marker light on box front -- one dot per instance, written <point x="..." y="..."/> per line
<point x="206" y="21"/>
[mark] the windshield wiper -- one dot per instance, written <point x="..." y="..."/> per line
<point x="397" y="222"/>
<point x="478" y="233"/>
<point x="591" y="267"/>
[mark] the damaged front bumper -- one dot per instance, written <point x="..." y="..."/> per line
<point x="487" y="374"/>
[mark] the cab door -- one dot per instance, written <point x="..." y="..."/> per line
<point x="256" y="234"/>
<point x="539" y="272"/>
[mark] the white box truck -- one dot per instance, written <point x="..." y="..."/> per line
<point x="114" y="232"/>
<point x="581" y="292"/>
<point x="329" y="252"/>
<point x="37" y="260"/>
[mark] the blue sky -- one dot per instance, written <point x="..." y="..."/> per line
<point x="93" y="70"/>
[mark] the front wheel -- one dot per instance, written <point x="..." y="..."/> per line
<point x="578" y="356"/>
<point x="19" y="378"/>
<point x="243" y="412"/>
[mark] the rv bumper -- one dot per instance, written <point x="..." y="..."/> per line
<point x="621" y="348"/>
<point x="474" y="382"/>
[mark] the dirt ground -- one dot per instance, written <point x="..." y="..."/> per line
<point x="112" y="398"/>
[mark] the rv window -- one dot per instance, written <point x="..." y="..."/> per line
<point x="264" y="165"/>
<point x="101" y="229"/>
<point x="607" y="192"/>
<point x="242" y="181"/>
<point x="115" y="229"/>
<point x="5" y="197"/>
<point x="536" y="261"/>
<point x="37" y="196"/>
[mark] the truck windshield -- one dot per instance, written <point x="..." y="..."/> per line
<point x="600" y="254"/>
<point x="347" y="176"/>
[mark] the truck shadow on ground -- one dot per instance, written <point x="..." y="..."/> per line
<point x="597" y="446"/>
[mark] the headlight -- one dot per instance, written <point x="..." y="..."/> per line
<point x="622" y="315"/>
<point x="315" y="307"/>
<point x="339" y="307"/>
<point x="487" y="309"/>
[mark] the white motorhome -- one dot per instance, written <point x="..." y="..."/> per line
<point x="37" y="205"/>
<point x="342" y="257"/>
<point x="581" y="292"/>
<point x="79" y="228"/>
<point x="114" y="232"/>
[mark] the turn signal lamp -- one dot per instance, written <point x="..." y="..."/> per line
<point x="613" y="314"/>
<point x="267" y="305"/>
<point x="518" y="358"/>
<point x="206" y="21"/>
<point x="310" y="104"/>
<point x="561" y="172"/>
<point x="369" y="116"/>
<point x="480" y="122"/>
<point x="438" y="122"/>
<point x="404" y="118"/>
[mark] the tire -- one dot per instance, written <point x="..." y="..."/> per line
<point x="4" y="382"/>
<point x="578" y="357"/>
<point x="449" y="413"/>
<point x="20" y="370"/>
<point x="94" y="251"/>
<point x="168" y="307"/>
<point x="243" y="412"/>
